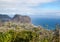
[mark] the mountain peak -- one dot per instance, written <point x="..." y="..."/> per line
<point x="17" y="18"/>
<point x="21" y="18"/>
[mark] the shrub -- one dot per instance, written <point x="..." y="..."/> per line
<point x="5" y="37"/>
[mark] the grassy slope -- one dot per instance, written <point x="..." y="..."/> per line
<point x="19" y="32"/>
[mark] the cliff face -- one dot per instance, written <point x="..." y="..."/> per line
<point x="4" y="18"/>
<point x="16" y="18"/>
<point x="22" y="19"/>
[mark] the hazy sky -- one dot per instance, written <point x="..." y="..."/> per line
<point x="31" y="7"/>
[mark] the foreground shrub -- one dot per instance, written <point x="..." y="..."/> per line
<point x="26" y="36"/>
<point x="20" y="36"/>
<point x="5" y="37"/>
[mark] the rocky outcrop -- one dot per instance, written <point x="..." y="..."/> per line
<point x="17" y="18"/>
<point x="4" y="18"/>
<point x="21" y="19"/>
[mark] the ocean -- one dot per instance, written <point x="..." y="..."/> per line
<point x="44" y="22"/>
<point x="51" y="22"/>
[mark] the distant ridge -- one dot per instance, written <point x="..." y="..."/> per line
<point x="22" y="19"/>
<point x="16" y="18"/>
<point x="4" y="18"/>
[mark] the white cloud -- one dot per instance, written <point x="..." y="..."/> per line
<point x="32" y="2"/>
<point x="24" y="7"/>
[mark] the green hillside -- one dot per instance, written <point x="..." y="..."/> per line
<point x="19" y="32"/>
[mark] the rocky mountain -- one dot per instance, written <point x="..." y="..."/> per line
<point x="4" y="18"/>
<point x="16" y="18"/>
<point x="22" y="19"/>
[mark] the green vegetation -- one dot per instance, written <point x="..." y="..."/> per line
<point x="19" y="32"/>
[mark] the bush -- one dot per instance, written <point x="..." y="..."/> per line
<point x="5" y="37"/>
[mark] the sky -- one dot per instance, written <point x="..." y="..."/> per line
<point x="43" y="8"/>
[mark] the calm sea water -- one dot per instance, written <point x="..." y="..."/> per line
<point x="46" y="21"/>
